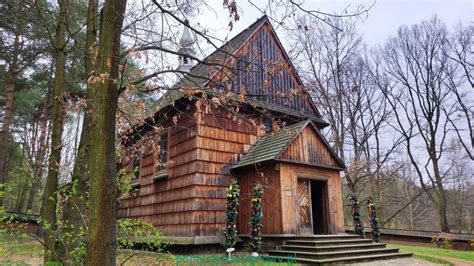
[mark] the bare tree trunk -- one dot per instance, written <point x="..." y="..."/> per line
<point x="417" y="70"/>
<point x="50" y="196"/>
<point x="102" y="203"/>
<point x="441" y="208"/>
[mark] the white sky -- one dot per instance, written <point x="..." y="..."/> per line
<point x="383" y="19"/>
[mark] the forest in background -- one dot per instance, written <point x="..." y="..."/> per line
<point x="400" y="113"/>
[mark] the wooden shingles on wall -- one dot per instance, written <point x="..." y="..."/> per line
<point x="220" y="139"/>
<point x="191" y="201"/>
<point x="162" y="201"/>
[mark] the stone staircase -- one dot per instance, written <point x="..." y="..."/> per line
<point x="334" y="249"/>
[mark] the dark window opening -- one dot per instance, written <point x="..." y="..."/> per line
<point x="267" y="123"/>
<point x="136" y="167"/>
<point x="162" y="155"/>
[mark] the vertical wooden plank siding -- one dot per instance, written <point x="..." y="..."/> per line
<point x="269" y="178"/>
<point x="309" y="147"/>
<point x="262" y="71"/>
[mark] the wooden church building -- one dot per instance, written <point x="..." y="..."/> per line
<point x="240" y="113"/>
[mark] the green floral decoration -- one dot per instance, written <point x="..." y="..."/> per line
<point x="374" y="221"/>
<point x="232" y="201"/>
<point x="256" y="219"/>
<point x="358" y="227"/>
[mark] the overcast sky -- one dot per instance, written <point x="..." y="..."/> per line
<point x="383" y="19"/>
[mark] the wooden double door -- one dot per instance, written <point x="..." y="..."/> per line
<point x="312" y="206"/>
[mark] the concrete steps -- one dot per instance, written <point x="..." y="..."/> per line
<point x="329" y="249"/>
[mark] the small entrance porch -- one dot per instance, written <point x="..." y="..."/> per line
<point x="301" y="179"/>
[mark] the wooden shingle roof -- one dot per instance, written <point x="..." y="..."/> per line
<point x="197" y="75"/>
<point x="272" y="145"/>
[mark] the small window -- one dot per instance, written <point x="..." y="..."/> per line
<point x="162" y="155"/>
<point x="267" y="123"/>
<point x="135" y="171"/>
<point x="136" y="167"/>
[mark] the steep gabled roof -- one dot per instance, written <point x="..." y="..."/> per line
<point x="200" y="74"/>
<point x="272" y="145"/>
<point x="209" y="65"/>
<point x="215" y="61"/>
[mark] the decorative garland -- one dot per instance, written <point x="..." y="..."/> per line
<point x="230" y="231"/>
<point x="358" y="227"/>
<point x="256" y="220"/>
<point x="373" y="220"/>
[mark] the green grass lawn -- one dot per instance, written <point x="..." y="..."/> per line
<point x="427" y="251"/>
<point x="16" y="250"/>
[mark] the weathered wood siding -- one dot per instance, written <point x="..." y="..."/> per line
<point x="262" y="71"/>
<point x="172" y="204"/>
<point x="308" y="147"/>
<point x="289" y="173"/>
<point x="220" y="139"/>
<point x="190" y="202"/>
<point x="269" y="178"/>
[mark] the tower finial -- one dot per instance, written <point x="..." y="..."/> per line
<point x="186" y="50"/>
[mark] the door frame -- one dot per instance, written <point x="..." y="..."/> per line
<point x="325" y="205"/>
<point x="328" y="219"/>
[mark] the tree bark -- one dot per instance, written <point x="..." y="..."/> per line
<point x="442" y="211"/>
<point x="5" y="133"/>
<point x="102" y="203"/>
<point x="40" y="155"/>
<point x="4" y="136"/>
<point x="50" y="196"/>
<point x="74" y="210"/>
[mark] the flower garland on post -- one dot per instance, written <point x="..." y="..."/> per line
<point x="358" y="228"/>
<point x="230" y="231"/>
<point x="256" y="220"/>
<point x="373" y="220"/>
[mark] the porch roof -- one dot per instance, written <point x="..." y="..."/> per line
<point x="272" y="145"/>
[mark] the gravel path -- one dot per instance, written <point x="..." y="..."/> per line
<point x="397" y="262"/>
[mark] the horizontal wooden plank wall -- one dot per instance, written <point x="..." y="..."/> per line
<point x="269" y="178"/>
<point x="309" y="147"/>
<point x="220" y="139"/>
<point x="289" y="173"/>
